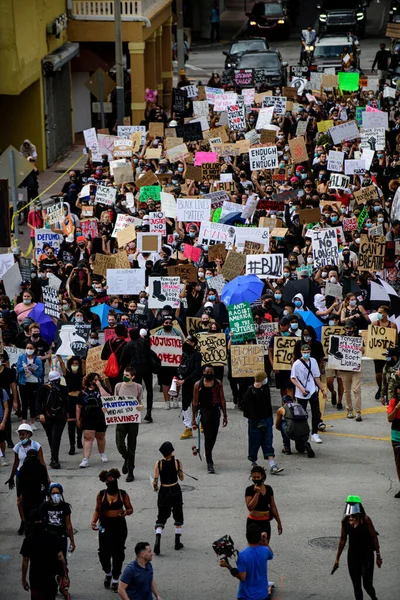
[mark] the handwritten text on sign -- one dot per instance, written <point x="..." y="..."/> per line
<point x="372" y="253"/>
<point x="283" y="353"/>
<point x="265" y="265"/>
<point x="265" y="157"/>
<point x="121" y="409"/>
<point x="379" y="340"/>
<point x="246" y="360"/>
<point x="213" y="348"/>
<point x="325" y="247"/>
<point x="168" y="349"/>
<point x="345" y="353"/>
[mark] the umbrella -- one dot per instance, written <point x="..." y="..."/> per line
<point x="245" y="288"/>
<point x="102" y="310"/>
<point x="231" y="218"/>
<point x="310" y="319"/>
<point x="382" y="292"/>
<point x="305" y="287"/>
<point x="47" y="325"/>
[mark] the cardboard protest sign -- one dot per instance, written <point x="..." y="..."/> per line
<point x="158" y="223"/>
<point x="335" y="161"/>
<point x="372" y="253"/>
<point x="125" y="281"/>
<point x="241" y="322"/>
<point x="344" y="132"/>
<point x="178" y="153"/>
<point x="51" y="302"/>
<point x="187" y="272"/>
<point x="345" y="353"/>
<point x="236" y="117"/>
<point x="283" y="352"/>
<point x="121" y="410"/>
<point x="329" y="81"/>
<point x="290" y="93"/>
<point x="193" y="173"/>
<point x="122" y="148"/>
<point x="298" y="150"/>
<point x="264" y="332"/>
<point x="263" y="157"/>
<point x="268" y="136"/>
<point x="102" y="262"/>
<point x="217" y="251"/>
<point x="213" y="233"/>
<point x="324" y="247"/>
<point x="124" y="236"/>
<point x="247" y="360"/>
<point x="123" y="220"/>
<point x="265" y="265"/>
<point x="148" y="242"/>
<point x="333" y="289"/>
<point x="253" y="248"/>
<point x="339" y="182"/>
<point x="234" y="265"/>
<point x="94" y="363"/>
<point x="326" y="332"/>
<point x="164" y="290"/>
<point x="366" y="194"/>
<point x="168" y="349"/>
<point x="156" y="129"/>
<point x="379" y="340"/>
<point x="210" y="171"/>
<point x="212" y="347"/>
<point x="45" y="236"/>
<point x="309" y="215"/>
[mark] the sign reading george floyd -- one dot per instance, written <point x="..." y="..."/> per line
<point x="265" y="157"/>
<point x="324" y="247"/>
<point x="372" y="253"/>
<point x="283" y="352"/>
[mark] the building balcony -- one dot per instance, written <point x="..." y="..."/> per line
<point x="103" y="10"/>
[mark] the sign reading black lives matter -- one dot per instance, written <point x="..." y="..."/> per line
<point x="51" y="302"/>
<point x="324" y="247"/>
<point x="264" y="157"/>
<point x="265" y="265"/>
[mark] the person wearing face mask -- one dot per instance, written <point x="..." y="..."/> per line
<point x="23" y="309"/>
<point x="167" y="374"/>
<point x="57" y="516"/>
<point x="294" y="328"/>
<point x="260" y="503"/>
<point x="113" y="505"/>
<point x="278" y="304"/>
<point x="390" y="375"/>
<point x="209" y="400"/>
<point x="383" y="321"/>
<point x="32" y="485"/>
<point x="52" y="402"/>
<point x="321" y="310"/>
<point x="79" y="282"/>
<point x="188" y="373"/>
<point x="305" y="376"/>
<point x="90" y="417"/>
<point x="114" y="348"/>
<point x="351" y="309"/>
<point x="43" y="350"/>
<point x="34" y="220"/>
<point x="282" y="377"/>
<point x="30" y="376"/>
<point x="352" y="379"/>
<point x="298" y="302"/>
<point x="73" y="374"/>
<point x="257" y="409"/>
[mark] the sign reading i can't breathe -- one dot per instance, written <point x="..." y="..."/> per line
<point x="265" y="157"/>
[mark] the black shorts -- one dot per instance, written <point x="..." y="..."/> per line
<point x="262" y="525"/>
<point x="282" y="381"/>
<point x="3" y="436"/>
<point x="379" y="364"/>
<point x="396" y="452"/>
<point x="166" y="375"/>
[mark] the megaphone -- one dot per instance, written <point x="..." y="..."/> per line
<point x="173" y="391"/>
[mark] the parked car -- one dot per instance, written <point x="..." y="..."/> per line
<point x="268" y="18"/>
<point x="266" y="67"/>
<point x="342" y="15"/>
<point x="241" y="47"/>
<point x="328" y="50"/>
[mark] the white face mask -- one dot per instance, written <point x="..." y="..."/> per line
<point x="30" y="352"/>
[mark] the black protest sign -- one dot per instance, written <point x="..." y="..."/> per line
<point x="324" y="247"/>
<point x="190" y="132"/>
<point x="212" y="347"/>
<point x="51" y="303"/>
<point x="25" y="265"/>
<point x="71" y="339"/>
<point x="181" y="104"/>
<point x="372" y="253"/>
<point x="243" y="77"/>
<point x="260" y="76"/>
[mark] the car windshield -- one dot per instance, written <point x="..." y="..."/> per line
<point x="261" y="9"/>
<point x="341" y="4"/>
<point x="328" y="51"/>
<point x="239" y="47"/>
<point x="260" y="61"/>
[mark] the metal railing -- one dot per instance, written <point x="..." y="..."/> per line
<point x="103" y="10"/>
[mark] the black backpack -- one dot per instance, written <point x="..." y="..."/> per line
<point x="55" y="407"/>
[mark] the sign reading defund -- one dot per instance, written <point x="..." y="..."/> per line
<point x="324" y="247"/>
<point x="265" y="157"/>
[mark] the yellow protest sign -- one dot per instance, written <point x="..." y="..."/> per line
<point x="283" y="352"/>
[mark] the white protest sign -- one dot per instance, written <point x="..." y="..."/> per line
<point x="55" y="213"/>
<point x="324" y="247"/>
<point x="193" y="209"/>
<point x="106" y="144"/>
<point x="164" y="290"/>
<point x="252" y="234"/>
<point x="12" y="281"/>
<point x="125" y="131"/>
<point x="278" y="103"/>
<point x="264" y="117"/>
<point x="375" y="119"/>
<point x="222" y="101"/>
<point x="216" y="233"/>
<point x="368" y="155"/>
<point x="122" y="222"/>
<point x="335" y="161"/>
<point x="125" y="281"/>
<point x="168" y="205"/>
<point x="229" y="208"/>
<point x="158" y="223"/>
<point x="54" y="282"/>
<point x="299" y="83"/>
<point x="236" y="117"/>
<point x="200" y="108"/>
<point x="46" y="236"/>
<point x="248" y="96"/>
<point x="354" y="167"/>
<point x="252" y="136"/>
<point x="373" y="138"/>
<point x="339" y="182"/>
<point x="212" y="93"/>
<point x="13" y="354"/>
<point x="345" y="352"/>
<point x="265" y="265"/>
<point x="105" y="195"/>
<point x="91" y="142"/>
<point x="216" y="283"/>
<point x="6" y="262"/>
<point x="264" y="157"/>
<point x="121" y="410"/>
<point x="250" y="206"/>
<point x="345" y="131"/>
<point x="191" y="90"/>
<point x="168" y="349"/>
<point x="389" y="92"/>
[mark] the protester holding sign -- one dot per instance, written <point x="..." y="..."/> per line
<point x="90" y="417"/>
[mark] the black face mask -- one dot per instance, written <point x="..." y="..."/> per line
<point x="112" y="487"/>
<point x="257" y="481"/>
<point x="208" y="377"/>
<point x="167" y="327"/>
<point x="187" y="348"/>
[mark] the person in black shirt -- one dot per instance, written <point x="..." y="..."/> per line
<point x="381" y="60"/>
<point x="57" y="516"/>
<point x="49" y="260"/>
<point x="42" y="347"/>
<point x="260" y="503"/>
<point x="52" y="401"/>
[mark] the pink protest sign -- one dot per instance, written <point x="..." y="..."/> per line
<point x="205" y="157"/>
<point x="372" y="109"/>
<point x="191" y="252"/>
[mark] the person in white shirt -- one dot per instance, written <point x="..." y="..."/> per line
<point x="305" y="376"/>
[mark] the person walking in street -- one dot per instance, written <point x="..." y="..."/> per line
<point x="261" y="505"/>
<point x="381" y="60"/>
<point x="390" y="375"/>
<point x="292" y="421"/>
<point x="167" y="374"/>
<point x="52" y="401"/>
<point x="352" y="381"/>
<point x="30" y="376"/>
<point x="305" y="376"/>
<point x="363" y="542"/>
<point x="257" y="409"/>
<point x="73" y="374"/>
<point x="214" y="21"/>
<point x="90" y="417"/>
<point x="32" y="485"/>
<point x="128" y="431"/>
<point x="137" y="580"/>
<point x="168" y="471"/>
<point x="112" y="506"/>
<point x="393" y="415"/>
<point x="209" y="399"/>
<point x="112" y="351"/>
<point x="137" y="354"/>
<point x="189" y="372"/>
<point x="4" y="412"/>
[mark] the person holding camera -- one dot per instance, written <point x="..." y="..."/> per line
<point x="305" y="376"/>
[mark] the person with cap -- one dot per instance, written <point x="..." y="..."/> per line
<point x="363" y="542"/>
<point x="257" y="409"/>
<point x="52" y="401"/>
<point x="21" y="450"/>
<point x="167" y="474"/>
<point x="305" y="376"/>
<point x="188" y="373"/>
<point x="393" y="416"/>
<point x="137" y="580"/>
<point x="113" y="505"/>
<point x="351" y="380"/>
<point x="209" y="400"/>
<point x="390" y="375"/>
<point x="292" y="421"/>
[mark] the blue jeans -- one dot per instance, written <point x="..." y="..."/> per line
<point x="260" y="438"/>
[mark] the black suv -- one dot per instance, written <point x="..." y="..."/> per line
<point x="262" y="68"/>
<point x="337" y="16"/>
<point x="240" y="47"/>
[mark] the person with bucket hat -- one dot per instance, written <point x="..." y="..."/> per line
<point x="363" y="542"/>
<point x="168" y="472"/>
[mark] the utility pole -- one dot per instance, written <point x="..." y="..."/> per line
<point x="180" y="40"/>
<point x="14" y="198"/>
<point x="119" y="66"/>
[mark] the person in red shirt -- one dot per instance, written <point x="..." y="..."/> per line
<point x="35" y="220"/>
<point x="343" y="197"/>
<point x="393" y="415"/>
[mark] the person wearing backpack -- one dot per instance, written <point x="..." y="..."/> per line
<point x="292" y="422"/>
<point x="52" y="401"/>
<point x="112" y="353"/>
<point x="90" y="417"/>
<point x="305" y="376"/>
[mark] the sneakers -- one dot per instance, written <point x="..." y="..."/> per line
<point x="148" y="418"/>
<point x="175" y="404"/>
<point x="274" y="470"/>
<point x="339" y="406"/>
<point x="167" y="405"/>
<point x="350" y="414"/>
<point x="378" y="394"/>
<point x="210" y="468"/>
<point x="34" y="428"/>
<point x="186" y="434"/>
<point x="125" y="467"/>
<point x="103" y="458"/>
<point x="316" y="439"/>
<point x="114" y="587"/>
<point x="83" y="465"/>
<point x="286" y="451"/>
<point x="309" y="450"/>
<point x="107" y="581"/>
<point x="254" y="464"/>
<point x="157" y="548"/>
<point x="321" y="426"/>
<point x="358" y="416"/>
<point x="130" y="477"/>
<point x="3" y="462"/>
<point x="55" y="464"/>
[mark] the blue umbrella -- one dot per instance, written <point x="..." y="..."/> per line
<point x="310" y="319"/>
<point x="102" y="311"/>
<point x="47" y="326"/>
<point x="231" y="218"/>
<point x="245" y="288"/>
